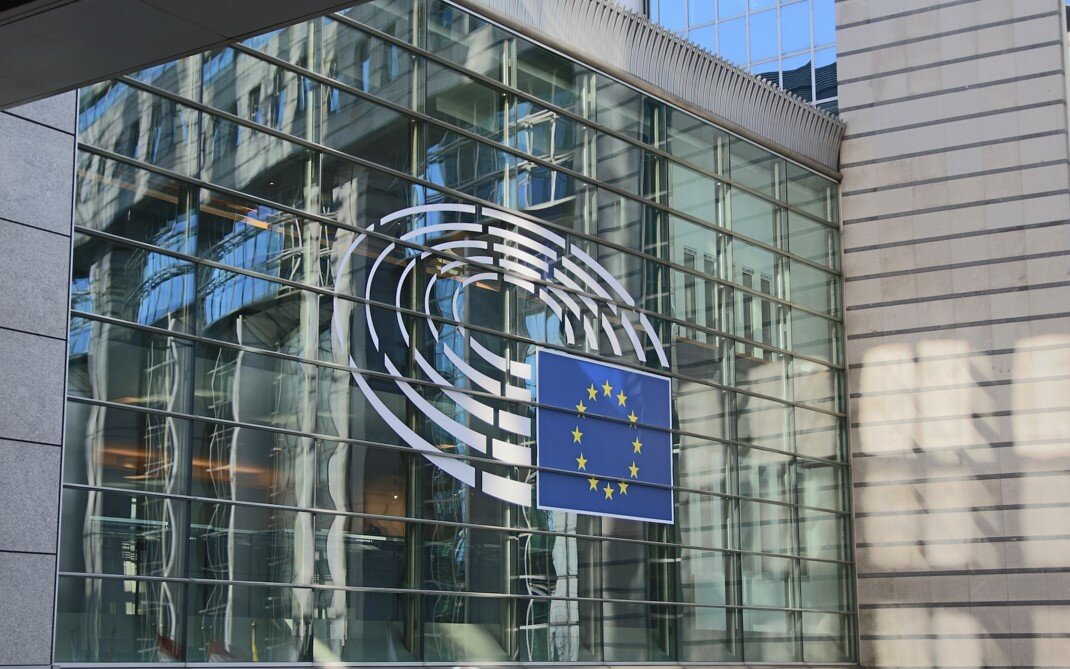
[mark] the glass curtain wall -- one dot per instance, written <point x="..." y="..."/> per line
<point x="792" y="43"/>
<point x="280" y="282"/>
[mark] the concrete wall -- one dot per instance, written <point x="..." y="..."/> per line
<point x="956" y="206"/>
<point x="36" y="182"/>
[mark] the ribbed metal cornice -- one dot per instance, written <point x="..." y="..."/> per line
<point x="630" y="47"/>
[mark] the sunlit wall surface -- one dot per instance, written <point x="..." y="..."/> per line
<point x="232" y="490"/>
<point x="792" y="43"/>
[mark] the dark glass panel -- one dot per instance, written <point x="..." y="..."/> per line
<point x="115" y="620"/>
<point x="250" y="543"/>
<point x="113" y="533"/>
<point x="826" y="76"/>
<point x="242" y="623"/>
<point x="133" y="203"/>
<point x="365" y="627"/>
<point x="120" y="448"/>
<point x="797" y="74"/>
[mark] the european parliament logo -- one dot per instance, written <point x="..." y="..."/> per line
<point x="604" y="440"/>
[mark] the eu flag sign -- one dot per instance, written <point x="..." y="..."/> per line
<point x="604" y="438"/>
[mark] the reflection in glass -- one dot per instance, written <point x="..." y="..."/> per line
<point x="218" y="425"/>
<point x="116" y="620"/>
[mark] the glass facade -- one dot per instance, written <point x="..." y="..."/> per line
<point x="792" y="43"/>
<point x="299" y="258"/>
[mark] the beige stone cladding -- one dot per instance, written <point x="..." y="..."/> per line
<point x="956" y="237"/>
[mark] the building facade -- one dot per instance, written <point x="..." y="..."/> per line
<point x="274" y="312"/>
<point x="302" y="260"/>
<point x="791" y="43"/>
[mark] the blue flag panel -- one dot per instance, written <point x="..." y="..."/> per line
<point x="605" y="430"/>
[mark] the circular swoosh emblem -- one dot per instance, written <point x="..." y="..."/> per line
<point x="480" y="244"/>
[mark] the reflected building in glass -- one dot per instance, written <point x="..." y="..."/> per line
<point x="311" y="272"/>
<point x="792" y="43"/>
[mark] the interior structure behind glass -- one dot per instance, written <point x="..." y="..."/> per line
<point x="233" y="490"/>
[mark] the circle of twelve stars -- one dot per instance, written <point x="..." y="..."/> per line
<point x="577" y="438"/>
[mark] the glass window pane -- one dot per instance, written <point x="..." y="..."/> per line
<point x="825" y="73"/>
<point x="765" y="474"/>
<point x="695" y="141"/>
<point x="795" y="27"/>
<point x="362" y="627"/>
<point x="673" y="14"/>
<point x="241" y="623"/>
<point x="756" y="218"/>
<point x="814" y="288"/>
<point x="116" y="620"/>
<point x="249" y="543"/>
<point x="767" y="581"/>
<point x="763" y="36"/>
<point x="705" y="521"/>
<point x="137" y="124"/>
<point x="117" y="448"/>
<point x="818" y="435"/>
<point x="817" y="385"/>
<point x="705" y="37"/>
<point x="466" y="40"/>
<point x="755" y="167"/>
<point x="770" y="636"/>
<point x="814" y="336"/>
<point x="827" y="637"/>
<point x="824" y="22"/>
<point x="812" y="193"/>
<point x="696" y="194"/>
<point x="813" y="240"/>
<point x="113" y="533"/>
<point x="797" y="76"/>
<point x="823" y="535"/>
<point x="726" y="8"/>
<point x="710" y="634"/>
<point x="701" y="11"/>
<point x="768" y="70"/>
<point x="821" y="585"/>
<point x="732" y="38"/>
<point x="393" y="17"/>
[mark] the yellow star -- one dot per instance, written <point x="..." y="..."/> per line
<point x="577" y="436"/>
<point x="607" y="389"/>
<point x="634" y="470"/>
<point x="632" y="418"/>
<point x="609" y="491"/>
<point x="592" y="393"/>
<point x="621" y="398"/>
<point x="594" y="483"/>
<point x="580" y="407"/>
<point x="637" y="446"/>
<point x="582" y="462"/>
<point x="623" y="487"/>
